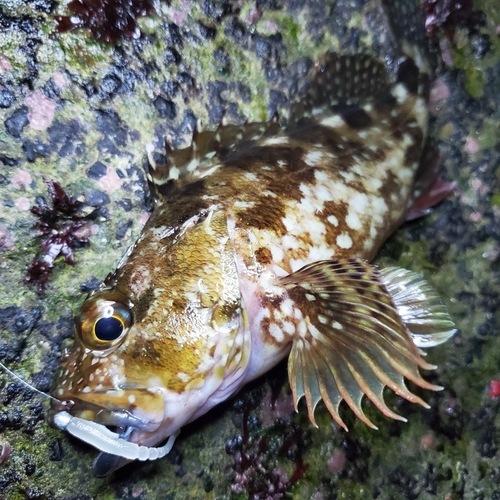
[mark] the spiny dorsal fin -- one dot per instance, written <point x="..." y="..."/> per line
<point x="350" y="340"/>
<point x="337" y="79"/>
<point x="205" y="154"/>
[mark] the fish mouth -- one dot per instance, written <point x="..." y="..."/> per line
<point x="142" y="409"/>
<point x="117" y="419"/>
<point x="112" y="428"/>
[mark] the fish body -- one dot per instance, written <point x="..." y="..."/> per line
<point x="259" y="247"/>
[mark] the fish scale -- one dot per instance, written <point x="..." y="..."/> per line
<point x="259" y="247"/>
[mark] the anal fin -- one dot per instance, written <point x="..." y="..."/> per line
<point x="351" y="339"/>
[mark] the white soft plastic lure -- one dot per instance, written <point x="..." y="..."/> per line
<point x="96" y="434"/>
<point x="103" y="439"/>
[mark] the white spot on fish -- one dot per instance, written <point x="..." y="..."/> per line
<point x="344" y="240"/>
<point x="271" y="141"/>
<point x="244" y="204"/>
<point x="250" y="176"/>
<point x="173" y="173"/>
<point x="288" y="327"/>
<point x="276" y="332"/>
<point x="359" y="202"/>
<point x="302" y="329"/>
<point x="379" y="205"/>
<point x="277" y="254"/>
<point x="312" y="158"/>
<point x="400" y="92"/>
<point x="332" y="121"/>
<point x="333" y="220"/>
<point x="192" y="165"/>
<point x="352" y="220"/>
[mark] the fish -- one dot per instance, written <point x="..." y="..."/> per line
<point x="259" y="248"/>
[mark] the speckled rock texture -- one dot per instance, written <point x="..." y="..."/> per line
<point x="82" y="112"/>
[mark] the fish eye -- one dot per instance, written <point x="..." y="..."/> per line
<point x="108" y="328"/>
<point x="104" y="320"/>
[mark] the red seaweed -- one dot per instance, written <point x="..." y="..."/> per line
<point x="256" y="472"/>
<point x="447" y="15"/>
<point x="63" y="229"/>
<point x="494" y="389"/>
<point x="107" y="20"/>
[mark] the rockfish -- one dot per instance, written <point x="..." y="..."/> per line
<point x="258" y="248"/>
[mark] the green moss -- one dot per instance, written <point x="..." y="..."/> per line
<point x="463" y="51"/>
<point x="488" y="135"/>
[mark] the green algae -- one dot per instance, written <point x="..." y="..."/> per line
<point x="463" y="51"/>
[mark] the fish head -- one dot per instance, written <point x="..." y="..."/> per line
<point x="98" y="373"/>
<point x="164" y="340"/>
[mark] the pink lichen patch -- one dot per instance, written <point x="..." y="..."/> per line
<point x="318" y="496"/>
<point x="84" y="232"/>
<point x="479" y="186"/>
<point x="20" y="179"/>
<point x="179" y="17"/>
<point x="110" y="182"/>
<point x="22" y="203"/>
<point x="5" y="65"/>
<point x="5" y="452"/>
<point x="439" y="93"/>
<point x="471" y="145"/>
<point x="7" y="238"/>
<point x="137" y="492"/>
<point x="41" y="110"/>
<point x="475" y="216"/>
<point x="494" y="389"/>
<point x="446" y="53"/>
<point x="271" y="27"/>
<point x="144" y="218"/>
<point x="336" y="462"/>
<point x="282" y="408"/>
<point x="427" y="441"/>
<point x="60" y="80"/>
<point x="253" y="16"/>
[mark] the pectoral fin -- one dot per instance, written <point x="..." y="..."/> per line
<point x="419" y="306"/>
<point x="350" y="339"/>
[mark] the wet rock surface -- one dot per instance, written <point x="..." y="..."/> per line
<point x="82" y="112"/>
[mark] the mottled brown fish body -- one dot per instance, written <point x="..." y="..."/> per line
<point x="259" y="245"/>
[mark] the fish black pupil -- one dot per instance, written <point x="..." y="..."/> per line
<point x="108" y="328"/>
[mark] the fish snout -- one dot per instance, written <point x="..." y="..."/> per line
<point x="134" y="409"/>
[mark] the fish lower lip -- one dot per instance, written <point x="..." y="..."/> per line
<point x="123" y="420"/>
<point x="105" y="464"/>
